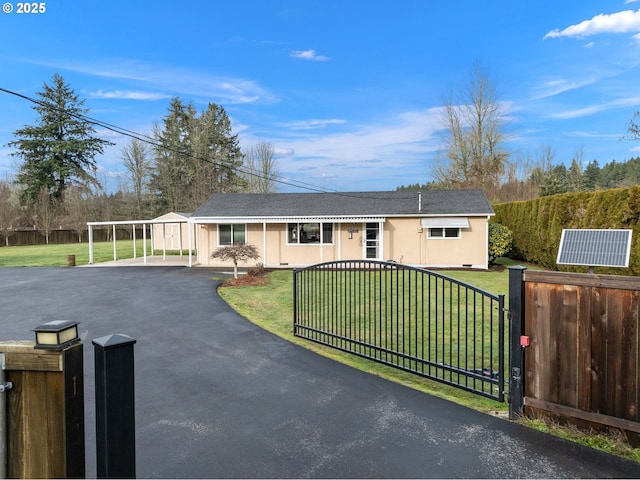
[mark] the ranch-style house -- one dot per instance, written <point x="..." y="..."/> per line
<point x="433" y="228"/>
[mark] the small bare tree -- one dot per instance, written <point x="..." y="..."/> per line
<point x="240" y="252"/>
<point x="261" y="168"/>
<point x="45" y="210"/>
<point x="9" y="210"/>
<point x="135" y="158"/>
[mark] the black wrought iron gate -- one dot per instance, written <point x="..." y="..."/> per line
<point x="410" y="318"/>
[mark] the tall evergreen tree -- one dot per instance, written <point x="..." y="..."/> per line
<point x="591" y="176"/>
<point x="196" y="156"/>
<point x="60" y="149"/>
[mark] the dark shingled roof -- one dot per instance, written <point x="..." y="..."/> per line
<point x="399" y="203"/>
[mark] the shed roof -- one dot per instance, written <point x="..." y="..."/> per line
<point x="348" y="204"/>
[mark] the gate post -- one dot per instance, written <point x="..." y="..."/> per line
<point x="115" y="409"/>
<point x="45" y="410"/>
<point x="516" y="350"/>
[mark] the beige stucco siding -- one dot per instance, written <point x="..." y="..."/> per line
<point x="404" y="240"/>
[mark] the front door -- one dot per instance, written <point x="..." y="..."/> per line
<point x="372" y="241"/>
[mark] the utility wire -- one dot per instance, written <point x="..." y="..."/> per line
<point x="154" y="142"/>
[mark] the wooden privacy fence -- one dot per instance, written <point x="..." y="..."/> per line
<point x="583" y="361"/>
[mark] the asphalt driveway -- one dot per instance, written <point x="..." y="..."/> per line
<point x="217" y="397"/>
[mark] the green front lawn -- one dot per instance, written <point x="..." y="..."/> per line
<point x="56" y="255"/>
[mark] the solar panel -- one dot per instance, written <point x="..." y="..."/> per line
<point x="595" y="248"/>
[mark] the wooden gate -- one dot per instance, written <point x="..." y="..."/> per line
<point x="583" y="358"/>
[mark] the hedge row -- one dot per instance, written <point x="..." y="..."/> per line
<point x="537" y="224"/>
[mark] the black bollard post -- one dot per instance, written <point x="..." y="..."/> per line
<point x="516" y="349"/>
<point x="115" y="410"/>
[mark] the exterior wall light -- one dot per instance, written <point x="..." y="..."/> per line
<point x="56" y="335"/>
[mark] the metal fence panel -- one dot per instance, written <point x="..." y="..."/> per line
<point x="410" y="318"/>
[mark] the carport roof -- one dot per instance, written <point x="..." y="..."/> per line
<point x="346" y="204"/>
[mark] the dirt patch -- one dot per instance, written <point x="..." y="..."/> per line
<point x="246" y="281"/>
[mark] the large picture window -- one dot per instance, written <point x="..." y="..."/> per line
<point x="232" y="234"/>
<point x="441" y="232"/>
<point x="304" y="233"/>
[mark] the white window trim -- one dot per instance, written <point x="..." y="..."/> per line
<point x="232" y="242"/>
<point x="443" y="237"/>
<point x="320" y="243"/>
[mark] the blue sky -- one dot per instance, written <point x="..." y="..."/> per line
<point x="348" y="93"/>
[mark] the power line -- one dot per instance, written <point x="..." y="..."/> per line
<point x="153" y="142"/>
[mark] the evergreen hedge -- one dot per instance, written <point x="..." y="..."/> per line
<point x="537" y="224"/>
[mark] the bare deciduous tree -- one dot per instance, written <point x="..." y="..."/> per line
<point x="135" y="158"/>
<point x="9" y="210"/>
<point x="76" y="203"/>
<point x="473" y="156"/>
<point x="260" y="167"/>
<point x="45" y="210"/>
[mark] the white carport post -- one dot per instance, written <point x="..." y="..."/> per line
<point x="180" y="237"/>
<point x="133" y="227"/>
<point x="264" y="244"/>
<point x="144" y="241"/>
<point x="90" y="244"/>
<point x="153" y="238"/>
<point x="114" y="243"/>
<point x="189" y="231"/>
<point x="164" y="241"/>
<point x="321" y="242"/>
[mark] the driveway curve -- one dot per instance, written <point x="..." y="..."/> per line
<point x="218" y="397"/>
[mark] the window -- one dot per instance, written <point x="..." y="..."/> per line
<point x="302" y="233"/>
<point x="442" y="232"/>
<point x="232" y="234"/>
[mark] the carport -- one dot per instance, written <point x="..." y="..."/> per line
<point x="191" y="240"/>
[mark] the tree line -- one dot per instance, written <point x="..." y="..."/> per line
<point x="473" y="152"/>
<point x="189" y="156"/>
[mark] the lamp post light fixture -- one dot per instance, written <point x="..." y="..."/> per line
<point x="56" y="335"/>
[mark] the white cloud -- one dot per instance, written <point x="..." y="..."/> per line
<point x="619" y="22"/>
<point x="173" y="80"/>
<point x="592" y="109"/>
<point x="128" y="95"/>
<point x="390" y="149"/>
<point x="309" y="55"/>
<point x="314" y="123"/>
<point x="556" y="86"/>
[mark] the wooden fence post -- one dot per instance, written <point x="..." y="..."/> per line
<point x="516" y="350"/>
<point x="45" y="411"/>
